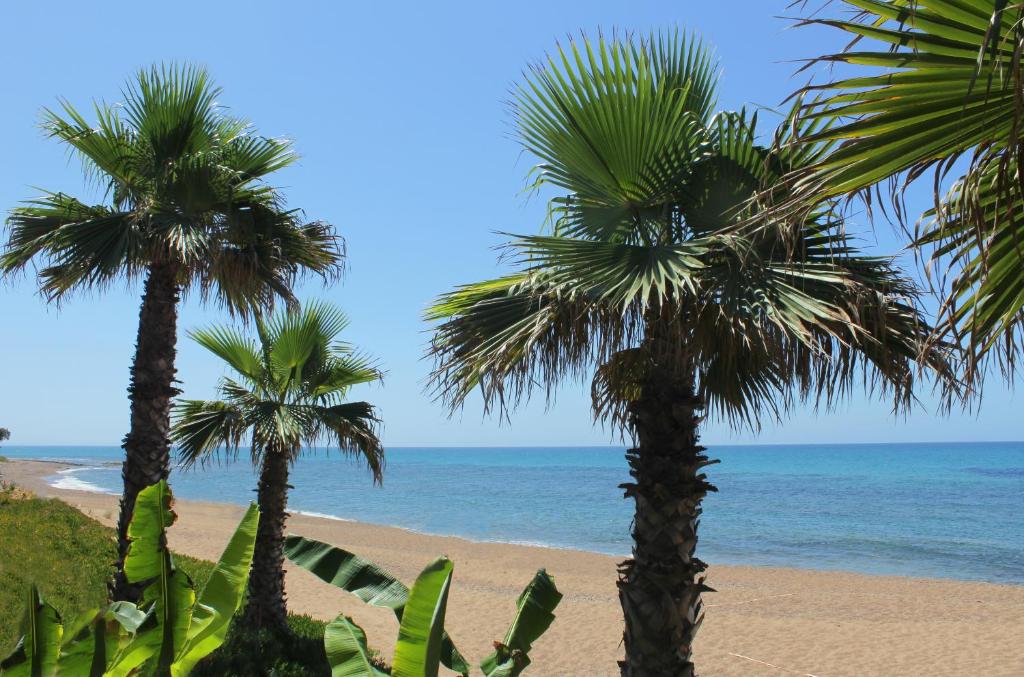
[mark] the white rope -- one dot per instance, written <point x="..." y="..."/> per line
<point x="777" y="667"/>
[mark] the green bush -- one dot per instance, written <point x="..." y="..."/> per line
<point x="254" y="654"/>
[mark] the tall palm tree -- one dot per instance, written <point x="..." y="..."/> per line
<point x="186" y="209"/>
<point x="289" y="396"/>
<point x="646" y="281"/>
<point x="934" y="87"/>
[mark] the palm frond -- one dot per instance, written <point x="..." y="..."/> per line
<point x="189" y="182"/>
<point x="201" y="428"/>
<point x="241" y="353"/>
<point x="652" y="266"/>
<point x="935" y="85"/>
<point x="85" y="245"/>
<point x="290" y="396"/>
<point x="507" y="335"/>
<point x="354" y="426"/>
<point x="616" y="124"/>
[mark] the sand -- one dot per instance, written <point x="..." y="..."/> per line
<point x="762" y="621"/>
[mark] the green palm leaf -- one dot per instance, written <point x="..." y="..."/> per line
<point x="933" y="82"/>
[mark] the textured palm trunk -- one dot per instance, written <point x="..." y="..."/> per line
<point x="660" y="586"/>
<point x="266" y="607"/>
<point x="151" y="390"/>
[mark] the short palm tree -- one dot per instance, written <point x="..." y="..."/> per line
<point x="289" y="396"/>
<point x="646" y="281"/>
<point x="187" y="210"/>
<point x="935" y="88"/>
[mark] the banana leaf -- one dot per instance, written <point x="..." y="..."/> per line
<point x="94" y="638"/>
<point x="365" y="580"/>
<point x="534" y="615"/>
<point x="220" y="598"/>
<point x="347" y="653"/>
<point x="418" y="651"/>
<point x="170" y="593"/>
<point x="143" y="643"/>
<point x="37" y="651"/>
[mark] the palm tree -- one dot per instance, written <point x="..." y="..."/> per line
<point x="935" y="88"/>
<point x="188" y="210"/>
<point x="646" y="281"/>
<point x="289" y="396"/>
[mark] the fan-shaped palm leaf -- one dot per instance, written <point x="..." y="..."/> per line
<point x="936" y="88"/>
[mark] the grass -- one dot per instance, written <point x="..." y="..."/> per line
<point x="69" y="555"/>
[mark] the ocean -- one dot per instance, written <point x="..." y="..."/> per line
<point x="929" y="510"/>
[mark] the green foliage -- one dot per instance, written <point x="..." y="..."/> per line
<point x="5" y="434"/>
<point x="931" y="83"/>
<point x="650" y="264"/>
<point x="422" y="644"/>
<point x="299" y="653"/>
<point x="69" y="554"/>
<point x="168" y="625"/>
<point x="347" y="651"/>
<point x="418" y="650"/>
<point x="364" y="579"/>
<point x="291" y="384"/>
<point x="186" y="187"/>
<point x="534" y="615"/>
<point x="36" y="653"/>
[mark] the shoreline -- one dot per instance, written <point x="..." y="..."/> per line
<point x="762" y="620"/>
<point x="61" y="466"/>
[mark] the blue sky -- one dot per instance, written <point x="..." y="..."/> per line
<point x="398" y="110"/>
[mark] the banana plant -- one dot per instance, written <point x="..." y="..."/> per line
<point x="422" y="645"/>
<point x="173" y="623"/>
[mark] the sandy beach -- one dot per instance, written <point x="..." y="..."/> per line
<point x="762" y="621"/>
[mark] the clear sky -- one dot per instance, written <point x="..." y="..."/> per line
<point x="398" y="110"/>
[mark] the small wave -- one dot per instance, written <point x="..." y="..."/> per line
<point x="322" y="515"/>
<point x="997" y="472"/>
<point x="65" y="479"/>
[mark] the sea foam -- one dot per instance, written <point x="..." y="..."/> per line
<point x="65" y="479"/>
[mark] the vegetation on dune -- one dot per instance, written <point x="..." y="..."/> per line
<point x="649" y="277"/>
<point x="65" y="553"/>
<point x="423" y="645"/>
<point x="934" y="89"/>
<point x="290" y="395"/>
<point x="188" y="209"/>
<point x="174" y="626"/>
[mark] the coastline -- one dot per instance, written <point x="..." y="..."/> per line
<point x="762" y="620"/>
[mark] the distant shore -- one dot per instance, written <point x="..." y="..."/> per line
<point x="762" y="621"/>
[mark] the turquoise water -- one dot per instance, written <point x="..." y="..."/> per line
<point x="943" y="510"/>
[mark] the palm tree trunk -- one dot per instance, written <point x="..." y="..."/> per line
<point x="660" y="586"/>
<point x="266" y="607"/>
<point x="147" y="445"/>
